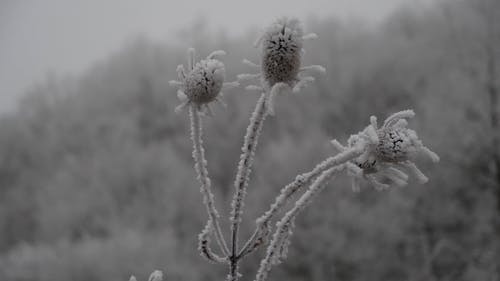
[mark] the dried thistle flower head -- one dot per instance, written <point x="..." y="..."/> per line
<point x="387" y="150"/>
<point x="281" y="59"/>
<point x="397" y="144"/>
<point x="282" y="51"/>
<point x="202" y="82"/>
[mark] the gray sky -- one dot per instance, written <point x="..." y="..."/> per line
<point x="66" y="36"/>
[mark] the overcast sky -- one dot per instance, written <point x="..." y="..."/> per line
<point x="66" y="36"/>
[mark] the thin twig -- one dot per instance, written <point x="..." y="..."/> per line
<point x="290" y="189"/>
<point x="202" y="172"/>
<point x="283" y="227"/>
<point x="242" y="177"/>
<point x="204" y="245"/>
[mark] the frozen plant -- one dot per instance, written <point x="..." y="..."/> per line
<point x="202" y="82"/>
<point x="383" y="156"/>
<point x="376" y="154"/>
<point x="281" y="56"/>
<point x="387" y="150"/>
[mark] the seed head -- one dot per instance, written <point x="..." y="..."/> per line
<point x="202" y="82"/>
<point x="387" y="150"/>
<point x="280" y="67"/>
<point x="397" y="144"/>
<point x="281" y="51"/>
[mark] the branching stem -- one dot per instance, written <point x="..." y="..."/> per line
<point x="289" y="190"/>
<point x="285" y="224"/>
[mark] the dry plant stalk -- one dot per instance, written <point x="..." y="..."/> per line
<point x="381" y="156"/>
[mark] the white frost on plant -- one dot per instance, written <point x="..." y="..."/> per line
<point x="202" y="83"/>
<point x="201" y="168"/>
<point x="375" y="154"/>
<point x="281" y="51"/>
<point x="157" y="275"/>
<point x="300" y="181"/>
<point x="281" y="58"/>
<point x="246" y="159"/>
<point x="388" y="154"/>
<point x="204" y="244"/>
<point x="278" y="247"/>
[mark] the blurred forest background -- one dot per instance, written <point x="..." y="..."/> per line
<point x="97" y="183"/>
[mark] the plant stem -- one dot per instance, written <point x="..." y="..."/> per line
<point x="290" y="189"/>
<point x="242" y="178"/>
<point x="284" y="225"/>
<point x="202" y="172"/>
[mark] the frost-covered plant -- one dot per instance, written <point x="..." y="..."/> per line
<point x="281" y="58"/>
<point x="382" y="155"/>
<point x="202" y="82"/>
<point x="388" y="149"/>
<point x="374" y="154"/>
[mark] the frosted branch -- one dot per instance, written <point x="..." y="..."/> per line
<point x="281" y="236"/>
<point x="244" y="166"/>
<point x="202" y="175"/>
<point x="204" y="245"/>
<point x="290" y="189"/>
